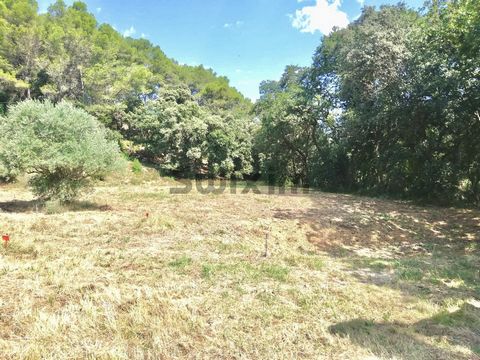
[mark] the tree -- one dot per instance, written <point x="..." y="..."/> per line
<point x="61" y="147"/>
<point x="393" y="100"/>
<point x="19" y="46"/>
<point x="65" y="54"/>
<point x="293" y="131"/>
<point x="446" y="84"/>
<point x="187" y="139"/>
<point x="363" y="70"/>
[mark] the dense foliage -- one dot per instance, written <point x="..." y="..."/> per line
<point x="62" y="147"/>
<point x="185" y="138"/>
<point x="65" y="54"/>
<point x="390" y="105"/>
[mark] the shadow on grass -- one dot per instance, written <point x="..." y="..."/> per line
<point x="38" y="206"/>
<point x="424" y="251"/>
<point x="397" y="340"/>
<point x="375" y="223"/>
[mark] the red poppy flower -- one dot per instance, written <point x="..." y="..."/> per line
<point x="6" y="237"/>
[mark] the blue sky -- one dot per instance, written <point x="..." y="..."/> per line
<point x="246" y="40"/>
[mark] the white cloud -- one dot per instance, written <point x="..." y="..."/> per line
<point x="361" y="2"/>
<point x="143" y="36"/>
<point x="129" y="32"/>
<point x="99" y="9"/>
<point x="237" y="24"/>
<point x="323" y="17"/>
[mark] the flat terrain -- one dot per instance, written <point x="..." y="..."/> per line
<point x="134" y="272"/>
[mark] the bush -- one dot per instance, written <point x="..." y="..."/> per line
<point x="62" y="147"/>
<point x="136" y="167"/>
<point x="6" y="175"/>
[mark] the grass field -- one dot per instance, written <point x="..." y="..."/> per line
<point x="133" y="272"/>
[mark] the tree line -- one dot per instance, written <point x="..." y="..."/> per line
<point x="186" y="120"/>
<point x="390" y="104"/>
<point x="65" y="54"/>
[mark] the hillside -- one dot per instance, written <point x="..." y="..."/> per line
<point x="65" y="54"/>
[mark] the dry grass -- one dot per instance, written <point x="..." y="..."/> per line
<point x="132" y="272"/>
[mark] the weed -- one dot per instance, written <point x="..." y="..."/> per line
<point x="180" y="263"/>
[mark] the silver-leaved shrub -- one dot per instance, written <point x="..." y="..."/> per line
<point x="61" y="147"/>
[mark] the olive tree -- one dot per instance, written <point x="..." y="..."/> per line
<point x="61" y="147"/>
